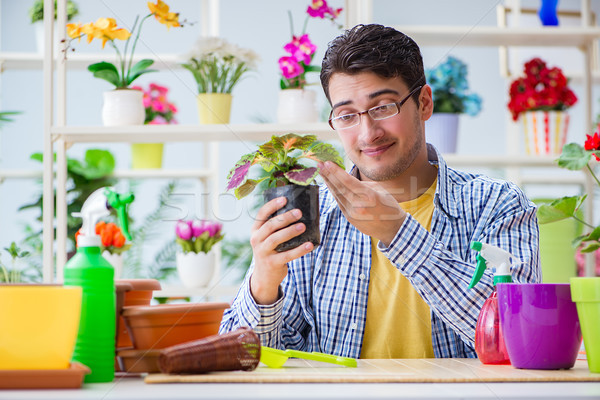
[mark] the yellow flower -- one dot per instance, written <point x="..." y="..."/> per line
<point x="162" y="14"/>
<point x="74" y="30"/>
<point x="106" y="29"/>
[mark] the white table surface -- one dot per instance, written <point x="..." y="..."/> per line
<point x="135" y="388"/>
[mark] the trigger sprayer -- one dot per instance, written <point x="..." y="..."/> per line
<point x="489" y="342"/>
<point x="95" y="346"/>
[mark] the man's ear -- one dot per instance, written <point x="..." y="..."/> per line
<point x="425" y="103"/>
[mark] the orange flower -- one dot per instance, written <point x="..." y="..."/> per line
<point x="75" y="30"/>
<point x="118" y="239"/>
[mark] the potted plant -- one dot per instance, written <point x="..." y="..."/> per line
<point x="159" y="111"/>
<point x="584" y="290"/>
<point x="451" y="97"/>
<point x="297" y="104"/>
<point x="36" y="14"/>
<point x="540" y="98"/>
<point x="122" y="106"/>
<point x="217" y="66"/>
<point x="282" y="159"/>
<point x="196" y="262"/>
<point x="13" y="274"/>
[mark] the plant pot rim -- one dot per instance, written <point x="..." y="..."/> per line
<point x="140" y="284"/>
<point x="188" y="308"/>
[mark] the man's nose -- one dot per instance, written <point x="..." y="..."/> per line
<point x="369" y="129"/>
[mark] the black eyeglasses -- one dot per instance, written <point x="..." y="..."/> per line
<point x="376" y="113"/>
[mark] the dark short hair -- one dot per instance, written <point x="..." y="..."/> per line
<point x="374" y="48"/>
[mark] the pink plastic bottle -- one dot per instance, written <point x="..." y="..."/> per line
<point x="489" y="342"/>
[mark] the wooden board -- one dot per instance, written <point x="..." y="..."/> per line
<point x="374" y="371"/>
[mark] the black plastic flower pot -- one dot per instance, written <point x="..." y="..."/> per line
<point x="306" y="199"/>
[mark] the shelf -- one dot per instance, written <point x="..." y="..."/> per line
<point x="501" y="161"/>
<point x="497" y="36"/>
<point x="22" y="60"/>
<point x="187" y="133"/>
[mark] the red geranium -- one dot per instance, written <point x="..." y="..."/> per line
<point x="542" y="88"/>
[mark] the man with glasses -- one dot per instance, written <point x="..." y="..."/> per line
<point x="390" y="278"/>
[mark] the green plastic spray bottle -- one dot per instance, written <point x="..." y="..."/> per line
<point x="489" y="342"/>
<point x="95" y="346"/>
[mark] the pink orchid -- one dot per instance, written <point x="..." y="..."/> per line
<point x="301" y="48"/>
<point x="160" y="89"/>
<point x="290" y="68"/>
<point x="318" y="9"/>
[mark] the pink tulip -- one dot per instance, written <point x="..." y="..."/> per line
<point x="199" y="227"/>
<point x="214" y="228"/>
<point x="183" y="230"/>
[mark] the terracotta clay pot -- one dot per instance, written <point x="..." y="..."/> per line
<point x="133" y="292"/>
<point x="164" y="325"/>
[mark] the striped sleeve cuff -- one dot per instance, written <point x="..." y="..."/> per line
<point x="262" y="318"/>
<point x="411" y="246"/>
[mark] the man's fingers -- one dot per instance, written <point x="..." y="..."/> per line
<point x="275" y="224"/>
<point x="287" y="256"/>
<point x="267" y="210"/>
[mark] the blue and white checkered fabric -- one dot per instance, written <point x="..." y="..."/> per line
<point x="323" y="302"/>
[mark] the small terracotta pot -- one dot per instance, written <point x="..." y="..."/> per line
<point x="133" y="292"/>
<point x="164" y="325"/>
<point x="138" y="361"/>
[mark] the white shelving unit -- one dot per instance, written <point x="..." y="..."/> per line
<point x="58" y="137"/>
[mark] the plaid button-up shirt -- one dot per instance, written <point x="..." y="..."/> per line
<point x="323" y="299"/>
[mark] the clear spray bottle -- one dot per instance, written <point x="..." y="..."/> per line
<point x="95" y="346"/>
<point x="489" y="342"/>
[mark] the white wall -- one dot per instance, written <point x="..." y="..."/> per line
<point x="260" y="25"/>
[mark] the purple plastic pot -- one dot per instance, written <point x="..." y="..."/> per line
<point x="540" y="325"/>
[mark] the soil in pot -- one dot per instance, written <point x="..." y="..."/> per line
<point x="306" y="199"/>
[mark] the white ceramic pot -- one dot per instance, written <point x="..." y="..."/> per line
<point x="195" y="269"/>
<point x="545" y="132"/>
<point x="123" y="107"/>
<point x="297" y="106"/>
<point x="441" y="130"/>
<point x="116" y="260"/>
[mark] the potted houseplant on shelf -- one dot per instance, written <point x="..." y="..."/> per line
<point x="217" y="66"/>
<point x="122" y="106"/>
<point x="296" y="103"/>
<point x="159" y="111"/>
<point x="196" y="262"/>
<point x="451" y="98"/>
<point x="36" y="13"/>
<point x="13" y="273"/>
<point x="540" y="99"/>
<point x="282" y="159"/>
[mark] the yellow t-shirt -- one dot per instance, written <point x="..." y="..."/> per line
<point x="400" y="328"/>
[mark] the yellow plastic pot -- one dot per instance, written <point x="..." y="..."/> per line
<point x="38" y="326"/>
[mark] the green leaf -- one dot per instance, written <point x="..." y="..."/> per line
<point x="107" y="71"/>
<point x="272" y="151"/>
<point x="325" y="152"/>
<point x="291" y="141"/>
<point x="140" y="68"/>
<point x="185" y="245"/>
<point x="559" y="209"/>
<point x="247" y="188"/>
<point x="238" y="175"/>
<point x="199" y="242"/>
<point x="591" y="247"/>
<point x="574" y="157"/>
<point x="312" y="68"/>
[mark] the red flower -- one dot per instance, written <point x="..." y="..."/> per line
<point x="541" y="88"/>
<point x="593" y="143"/>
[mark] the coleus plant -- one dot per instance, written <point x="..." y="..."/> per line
<point x="282" y="158"/>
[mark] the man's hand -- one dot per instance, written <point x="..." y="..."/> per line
<point x="270" y="267"/>
<point x="367" y="205"/>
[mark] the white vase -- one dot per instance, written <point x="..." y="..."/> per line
<point x="195" y="269"/>
<point x="441" y="130"/>
<point x="116" y="260"/>
<point x="123" y="107"/>
<point x="297" y="106"/>
<point x="545" y="132"/>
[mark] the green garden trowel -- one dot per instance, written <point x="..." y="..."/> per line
<point x="275" y="358"/>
